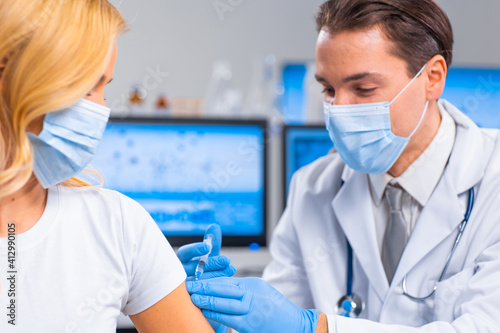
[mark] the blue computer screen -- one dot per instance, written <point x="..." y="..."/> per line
<point x="304" y="145"/>
<point x="476" y="92"/>
<point x="188" y="176"/>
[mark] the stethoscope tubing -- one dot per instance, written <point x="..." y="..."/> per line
<point x="461" y="230"/>
<point x="463" y="224"/>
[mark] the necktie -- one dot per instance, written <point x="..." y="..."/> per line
<point x="396" y="235"/>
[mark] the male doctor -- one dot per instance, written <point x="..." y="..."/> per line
<point x="367" y="239"/>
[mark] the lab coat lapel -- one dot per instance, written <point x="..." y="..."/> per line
<point x="353" y="208"/>
<point x="439" y="218"/>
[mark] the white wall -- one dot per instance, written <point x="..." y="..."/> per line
<point x="184" y="38"/>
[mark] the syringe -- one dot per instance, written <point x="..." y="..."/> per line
<point x="200" y="268"/>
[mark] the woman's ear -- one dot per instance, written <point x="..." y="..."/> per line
<point x="436" y="77"/>
<point x="3" y="63"/>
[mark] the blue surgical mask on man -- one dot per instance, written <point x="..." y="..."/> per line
<point x="68" y="141"/>
<point x="362" y="135"/>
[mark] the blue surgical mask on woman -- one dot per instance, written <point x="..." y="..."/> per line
<point x="68" y="141"/>
<point x="362" y="135"/>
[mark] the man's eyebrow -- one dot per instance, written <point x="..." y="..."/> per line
<point x="361" y="76"/>
<point x="354" y="77"/>
<point x="320" y="79"/>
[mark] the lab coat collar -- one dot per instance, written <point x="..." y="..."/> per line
<point x="353" y="207"/>
<point x="470" y="155"/>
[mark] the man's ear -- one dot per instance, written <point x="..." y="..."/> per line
<point x="436" y="77"/>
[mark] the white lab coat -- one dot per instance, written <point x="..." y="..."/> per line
<point x="309" y="244"/>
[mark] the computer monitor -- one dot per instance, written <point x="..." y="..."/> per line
<point x="189" y="173"/>
<point x="303" y="145"/>
<point x="476" y="92"/>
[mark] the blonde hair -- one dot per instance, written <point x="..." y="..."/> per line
<point x="56" y="51"/>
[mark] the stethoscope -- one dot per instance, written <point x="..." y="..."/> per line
<point x="351" y="304"/>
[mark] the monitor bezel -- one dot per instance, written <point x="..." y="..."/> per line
<point x="227" y="241"/>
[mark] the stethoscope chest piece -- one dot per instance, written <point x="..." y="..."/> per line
<point x="350" y="306"/>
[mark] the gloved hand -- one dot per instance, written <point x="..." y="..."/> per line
<point x="250" y="305"/>
<point x="216" y="265"/>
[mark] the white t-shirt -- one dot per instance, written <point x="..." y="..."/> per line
<point x="92" y="254"/>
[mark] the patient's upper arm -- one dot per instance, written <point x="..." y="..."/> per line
<point x="174" y="313"/>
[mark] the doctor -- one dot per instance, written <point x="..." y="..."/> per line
<point x="401" y="226"/>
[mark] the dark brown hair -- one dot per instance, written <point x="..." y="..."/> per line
<point x="419" y="29"/>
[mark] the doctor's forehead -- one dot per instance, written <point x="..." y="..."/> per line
<point x="347" y="54"/>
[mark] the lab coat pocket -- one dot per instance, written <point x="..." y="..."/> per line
<point x="447" y="293"/>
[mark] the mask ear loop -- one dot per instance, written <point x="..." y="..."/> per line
<point x="421" y="119"/>
<point x="409" y="84"/>
<point x="426" y="104"/>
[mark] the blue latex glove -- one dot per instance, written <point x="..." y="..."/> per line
<point x="216" y="265"/>
<point x="250" y="305"/>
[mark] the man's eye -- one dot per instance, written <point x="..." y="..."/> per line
<point x="366" y="90"/>
<point x="328" y="91"/>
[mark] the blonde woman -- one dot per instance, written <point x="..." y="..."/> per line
<point x="72" y="256"/>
